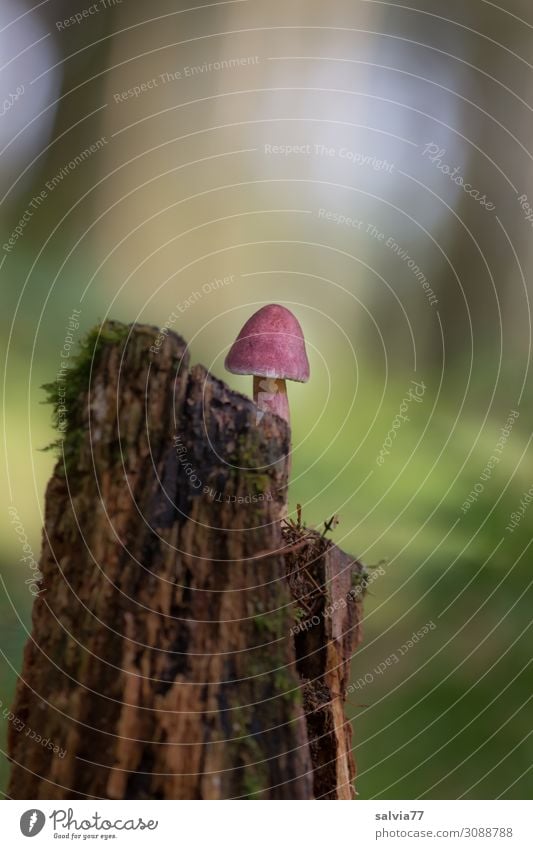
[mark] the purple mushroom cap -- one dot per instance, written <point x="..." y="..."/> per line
<point x="271" y="344"/>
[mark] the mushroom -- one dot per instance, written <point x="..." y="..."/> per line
<point x="271" y="347"/>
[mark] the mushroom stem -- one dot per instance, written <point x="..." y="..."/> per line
<point x="270" y="395"/>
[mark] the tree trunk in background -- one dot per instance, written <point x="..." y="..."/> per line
<point x="168" y="657"/>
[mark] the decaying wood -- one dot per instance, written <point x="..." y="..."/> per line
<point x="166" y="658"/>
<point x="325" y="584"/>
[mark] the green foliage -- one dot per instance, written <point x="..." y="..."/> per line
<point x="76" y="385"/>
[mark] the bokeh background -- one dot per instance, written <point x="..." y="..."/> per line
<point x="149" y="149"/>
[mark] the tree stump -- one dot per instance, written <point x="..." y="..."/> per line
<point x="168" y="657"/>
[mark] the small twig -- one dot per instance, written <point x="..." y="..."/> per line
<point x="302" y="601"/>
<point x="337" y="696"/>
<point x="295" y="525"/>
<point x="317" y="587"/>
<point x="330" y="525"/>
<point x="283" y="550"/>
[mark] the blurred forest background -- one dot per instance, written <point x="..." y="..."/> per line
<point x="149" y="150"/>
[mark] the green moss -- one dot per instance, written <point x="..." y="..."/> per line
<point x="360" y="579"/>
<point x="285" y="684"/>
<point x="272" y="624"/>
<point x="251" y="784"/>
<point x="264" y="627"/>
<point x="249" y="447"/>
<point x="261" y="624"/>
<point x="252" y="773"/>
<point x="65" y="395"/>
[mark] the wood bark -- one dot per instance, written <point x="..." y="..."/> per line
<point x="167" y="657"/>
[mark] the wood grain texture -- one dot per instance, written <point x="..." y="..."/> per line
<point x="162" y="659"/>
<point x="327" y="631"/>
